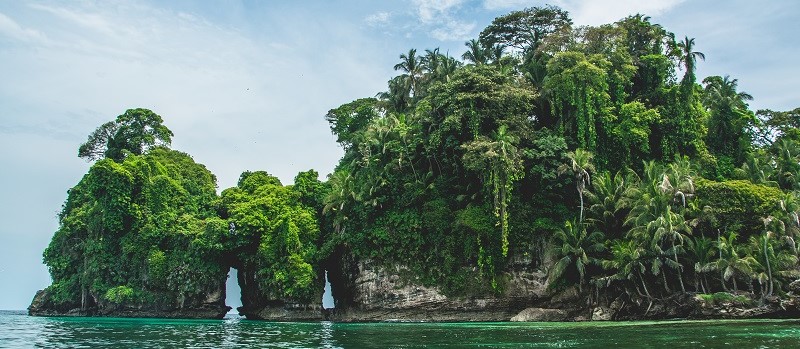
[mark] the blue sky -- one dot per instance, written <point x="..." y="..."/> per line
<point x="244" y="85"/>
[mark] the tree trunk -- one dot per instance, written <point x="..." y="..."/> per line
<point x="499" y="181"/>
<point x="721" y="271"/>
<point x="769" y="268"/>
<point x="580" y="195"/>
<point x="644" y="285"/>
<point x="638" y="290"/>
<point x="84" y="281"/>
<point x="680" y="267"/>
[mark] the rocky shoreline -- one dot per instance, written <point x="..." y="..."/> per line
<point x="42" y="306"/>
<point x="379" y="294"/>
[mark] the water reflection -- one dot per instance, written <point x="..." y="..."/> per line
<point x="326" y="334"/>
<point x="18" y="330"/>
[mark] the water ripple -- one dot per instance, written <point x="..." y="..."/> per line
<point x="18" y="330"/>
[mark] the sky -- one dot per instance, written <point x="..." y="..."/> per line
<point x="245" y="85"/>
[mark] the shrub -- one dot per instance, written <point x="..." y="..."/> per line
<point x="119" y="294"/>
<point x="720" y="298"/>
<point x="739" y="202"/>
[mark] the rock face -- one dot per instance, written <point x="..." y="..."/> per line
<point x="283" y="312"/>
<point x="691" y="306"/>
<point x="378" y="294"/>
<point x="541" y="314"/>
<point x="213" y="307"/>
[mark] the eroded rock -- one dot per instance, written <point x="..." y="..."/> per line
<point x="540" y="314"/>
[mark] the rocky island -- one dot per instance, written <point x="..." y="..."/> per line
<point x="552" y="173"/>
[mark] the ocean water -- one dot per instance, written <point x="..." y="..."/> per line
<point x="18" y="330"/>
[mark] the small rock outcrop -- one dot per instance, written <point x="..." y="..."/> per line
<point x="283" y="312"/>
<point x="541" y="314"/>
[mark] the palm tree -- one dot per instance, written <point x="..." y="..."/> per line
<point x="678" y="181"/>
<point x="476" y="52"/>
<point x="575" y="247"/>
<point x="607" y="198"/>
<point x="758" y="169"/>
<point x="722" y="92"/>
<point x="398" y="96"/>
<point x="729" y="120"/>
<point x="700" y="250"/>
<point x="628" y="264"/>
<point x="494" y="53"/>
<point x="731" y="264"/>
<point x="670" y="226"/>
<point x="771" y="260"/>
<point x="756" y="243"/>
<point x="341" y="194"/>
<point x="431" y="60"/>
<point x="787" y="163"/>
<point x="580" y="165"/>
<point x="689" y="58"/>
<point x="410" y="64"/>
<point x="654" y="222"/>
<point x="446" y="68"/>
<point x="789" y="217"/>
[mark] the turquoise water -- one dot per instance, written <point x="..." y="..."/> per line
<point x="18" y="330"/>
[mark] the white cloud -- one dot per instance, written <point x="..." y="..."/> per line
<point x="507" y="4"/>
<point x="596" y="12"/>
<point x="378" y="19"/>
<point x="432" y="10"/>
<point x="12" y="29"/>
<point x="440" y="19"/>
<point x="453" y="31"/>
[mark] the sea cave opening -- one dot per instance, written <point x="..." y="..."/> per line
<point x="233" y="292"/>
<point x="327" y="295"/>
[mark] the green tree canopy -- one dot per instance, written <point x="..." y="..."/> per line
<point x="135" y="131"/>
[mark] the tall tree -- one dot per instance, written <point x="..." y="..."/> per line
<point x="700" y="250"/>
<point x="575" y="247"/>
<point x="527" y="29"/>
<point x="607" y="211"/>
<point x="732" y="262"/>
<point x="688" y="56"/>
<point x="775" y="125"/>
<point x="476" y="52"/>
<point x="135" y="131"/>
<point x="628" y="263"/>
<point x="580" y="165"/>
<point x="730" y="121"/>
<point x="349" y="121"/>
<point x="398" y="97"/>
<point x="411" y="65"/>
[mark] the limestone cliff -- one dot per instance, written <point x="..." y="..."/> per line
<point x="211" y="306"/>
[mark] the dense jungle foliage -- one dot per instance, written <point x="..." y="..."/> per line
<point x="146" y="227"/>
<point x="593" y="152"/>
